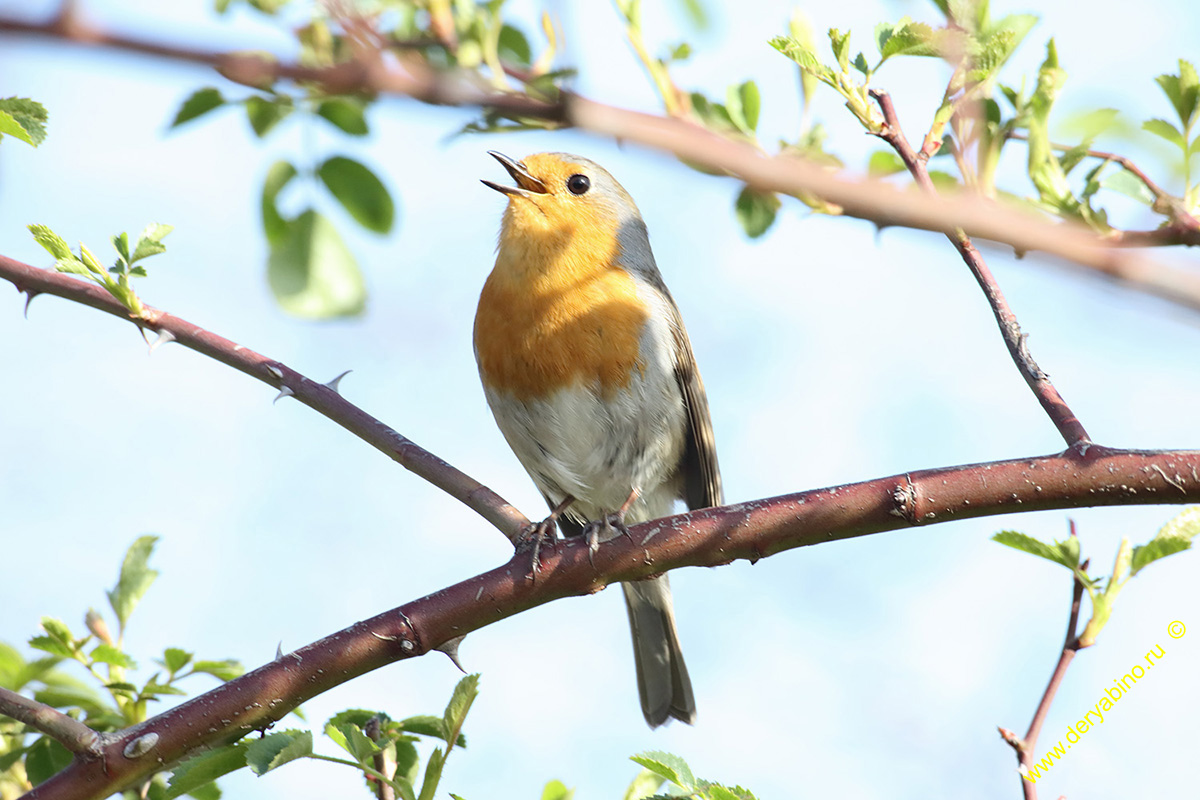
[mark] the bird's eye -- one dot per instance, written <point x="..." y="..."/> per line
<point x="578" y="184"/>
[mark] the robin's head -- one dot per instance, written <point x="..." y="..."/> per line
<point x="560" y="191"/>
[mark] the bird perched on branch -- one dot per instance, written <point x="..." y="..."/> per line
<point x="589" y="372"/>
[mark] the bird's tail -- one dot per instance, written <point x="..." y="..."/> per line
<point x="663" y="683"/>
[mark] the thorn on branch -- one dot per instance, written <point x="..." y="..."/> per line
<point x="164" y="337"/>
<point x="29" y="295"/>
<point x="450" y="648"/>
<point x="333" y="384"/>
<point x="284" y="391"/>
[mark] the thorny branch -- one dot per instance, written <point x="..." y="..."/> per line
<point x="710" y="537"/>
<point x="321" y="397"/>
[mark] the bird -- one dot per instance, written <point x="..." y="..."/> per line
<point x="589" y="373"/>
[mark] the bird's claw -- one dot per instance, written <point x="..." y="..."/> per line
<point x="605" y="529"/>
<point x="534" y="537"/>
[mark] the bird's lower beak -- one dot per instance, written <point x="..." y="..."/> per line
<point x="526" y="183"/>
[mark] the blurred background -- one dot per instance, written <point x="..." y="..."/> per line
<point x="832" y="352"/>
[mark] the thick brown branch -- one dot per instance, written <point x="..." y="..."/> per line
<point x="875" y="201"/>
<point x="70" y="733"/>
<point x="1039" y="383"/>
<point x="704" y="538"/>
<point x="318" y="396"/>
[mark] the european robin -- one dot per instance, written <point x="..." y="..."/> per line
<point x="589" y="372"/>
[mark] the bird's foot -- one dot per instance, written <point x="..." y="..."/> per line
<point x="536" y="536"/>
<point x="605" y="529"/>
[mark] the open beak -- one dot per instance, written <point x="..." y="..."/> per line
<point x="526" y="183"/>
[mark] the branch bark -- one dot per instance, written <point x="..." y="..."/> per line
<point x="70" y="733"/>
<point x="710" y="537"/>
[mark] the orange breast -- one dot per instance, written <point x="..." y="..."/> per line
<point x="555" y="312"/>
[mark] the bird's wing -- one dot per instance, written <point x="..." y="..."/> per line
<point x="701" y="475"/>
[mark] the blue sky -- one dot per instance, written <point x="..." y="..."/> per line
<point x="876" y="667"/>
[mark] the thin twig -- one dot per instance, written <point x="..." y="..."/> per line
<point x="1056" y="408"/>
<point x="876" y="201"/>
<point x="70" y="733"/>
<point x="320" y="397"/>
<point x="1026" y="747"/>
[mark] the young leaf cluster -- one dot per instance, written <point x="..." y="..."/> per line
<point x="382" y="749"/>
<point x="1173" y="537"/>
<point x="115" y="279"/>
<point x="660" y="768"/>
<point x="110" y="699"/>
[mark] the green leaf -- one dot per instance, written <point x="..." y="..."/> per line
<point x="751" y="103"/>
<point x="907" y="38"/>
<point x="514" y="47"/>
<point x="756" y="211"/>
<point x="1173" y="537"/>
<point x="107" y="654"/>
<point x="200" y="102"/>
<point x="433" y="774"/>
<point x="348" y="114"/>
<point x="360" y="192"/>
<point x="1160" y="127"/>
<point x="557" y="790"/>
<point x="120" y="243"/>
<point x="54" y="244"/>
<point x="70" y="693"/>
<point x="149" y="241"/>
<point x="312" y="273"/>
<point x="408" y="762"/>
<point x="840" y="43"/>
<point x="175" y="659"/>
<point x="1183" y="90"/>
<point x="225" y="670"/>
<point x="265" y="114"/>
<point x="1045" y="170"/>
<point x="274" y="225"/>
<point x="277" y="749"/>
<point x="803" y="56"/>
<point x="1128" y="184"/>
<point x="860" y="64"/>
<point x="352" y="739"/>
<point x="23" y="118"/>
<point x="669" y="766"/>
<point x="1065" y="553"/>
<point x="136" y="577"/>
<point x="644" y="784"/>
<point x="885" y="162"/>
<point x="44" y="759"/>
<point x="48" y="644"/>
<point x="460" y="703"/>
<point x="209" y="791"/>
<point x="426" y="725"/>
<point x="206" y="768"/>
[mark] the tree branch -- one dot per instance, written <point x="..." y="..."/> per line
<point x="709" y="537"/>
<point x="875" y="201"/>
<point x="1056" y="408"/>
<point x="1025" y="747"/>
<point x="70" y="733"/>
<point x="322" y="398"/>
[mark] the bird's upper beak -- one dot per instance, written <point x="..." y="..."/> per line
<point x="526" y="183"/>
